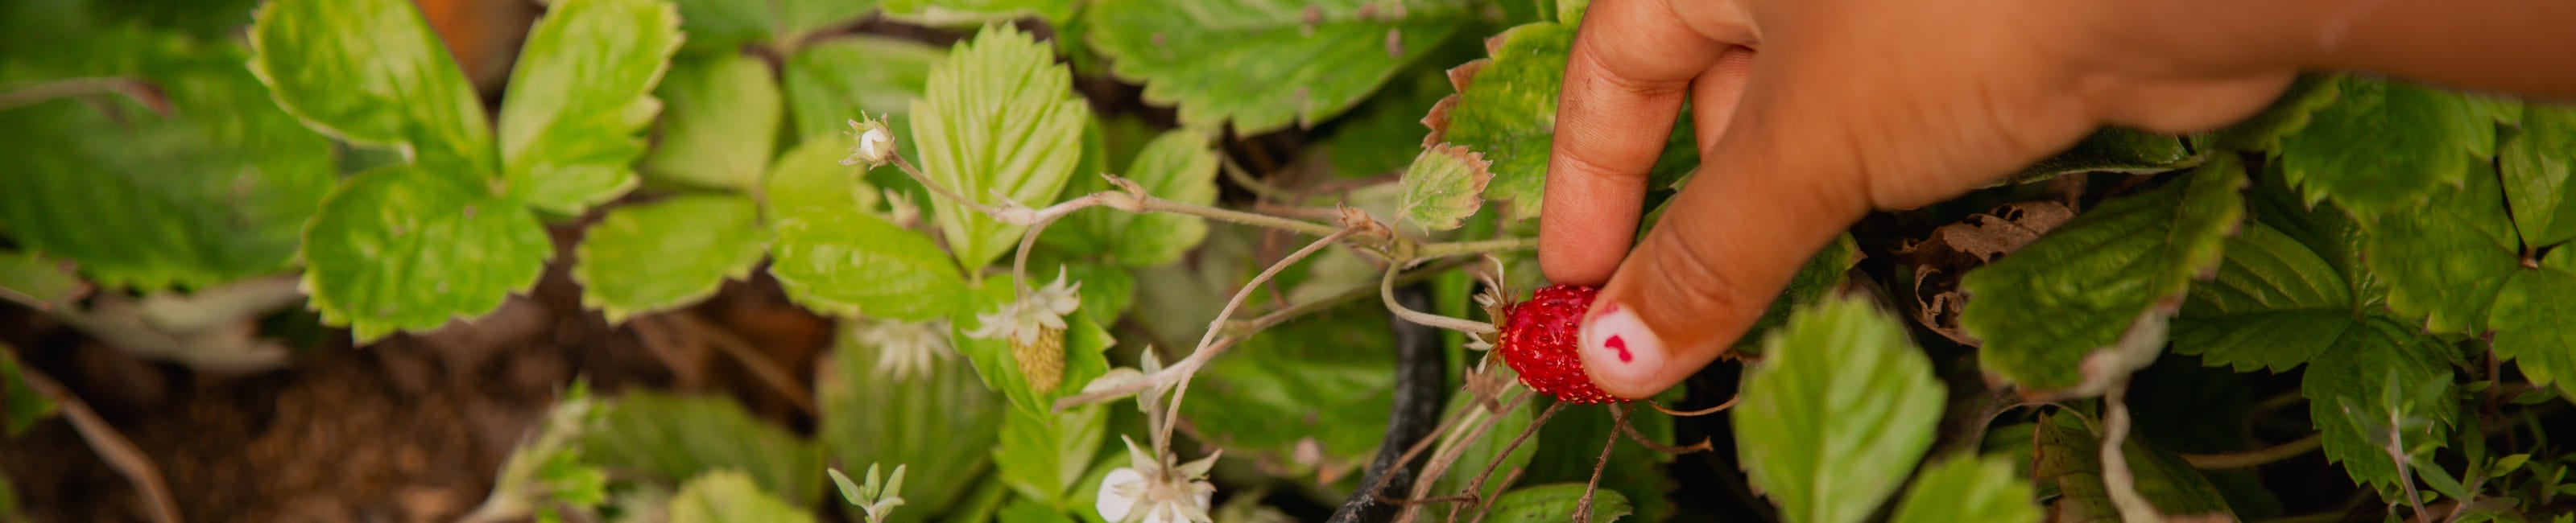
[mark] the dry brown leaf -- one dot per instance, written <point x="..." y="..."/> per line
<point x="1952" y="250"/>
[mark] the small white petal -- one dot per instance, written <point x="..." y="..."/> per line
<point x="1117" y="493"/>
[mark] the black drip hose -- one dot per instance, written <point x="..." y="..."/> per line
<point x="1420" y="375"/>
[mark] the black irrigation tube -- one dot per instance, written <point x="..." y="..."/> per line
<point x="1420" y="375"/>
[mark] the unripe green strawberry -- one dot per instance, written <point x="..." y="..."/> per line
<point x="1042" y="363"/>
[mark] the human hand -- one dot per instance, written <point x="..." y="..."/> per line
<point x="1811" y="113"/>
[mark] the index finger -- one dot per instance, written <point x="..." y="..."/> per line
<point x="1625" y="79"/>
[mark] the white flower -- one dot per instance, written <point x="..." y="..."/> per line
<point x="1156" y="491"/>
<point x="873" y="144"/>
<point x="905" y="349"/>
<point x="1029" y="319"/>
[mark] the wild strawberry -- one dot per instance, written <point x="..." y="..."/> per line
<point x="1539" y="338"/>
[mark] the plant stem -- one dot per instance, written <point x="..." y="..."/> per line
<point x="1449" y="453"/>
<point x="1447" y="249"/>
<point x="2120" y="483"/>
<point x="142" y="92"/>
<point x="1296" y="310"/>
<point x="1235" y="171"/>
<point x="1386" y="289"/>
<point x="1476" y="488"/>
<point x="2256" y="457"/>
<point x="111" y="446"/>
<point x="1199" y="356"/>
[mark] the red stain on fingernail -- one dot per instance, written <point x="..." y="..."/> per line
<point x="1619" y="345"/>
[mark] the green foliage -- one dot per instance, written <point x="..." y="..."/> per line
<point x="409" y="248"/>
<point x="672" y="438"/>
<point x="666" y="254"/>
<point x="1849" y="405"/>
<point x="1264" y="64"/>
<point x="834" y="255"/>
<point x="215" y="188"/>
<point x="1968" y="489"/>
<point x="722" y="126"/>
<point x="579" y="96"/>
<point x="728" y="496"/>
<point x="371" y="72"/>
<point x="838" y="79"/>
<point x="2115" y="150"/>
<point x="942" y="425"/>
<point x="1820" y="279"/>
<point x="1506" y="109"/>
<point x="2068" y="455"/>
<point x="1176" y="166"/>
<point x="2536" y="162"/>
<point x="37" y="281"/>
<point x="722" y="26"/>
<point x="449" y="232"/>
<point x="2445" y="132"/>
<point x="1556" y="503"/>
<point x="21" y="405"/>
<point x="2087" y="304"/>
<point x="1443" y="187"/>
<point x="969" y="12"/>
<point x="1322" y="392"/>
<point x="999" y="367"/>
<point x="1042" y="456"/>
<point x="998" y="120"/>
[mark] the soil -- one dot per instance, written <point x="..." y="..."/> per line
<point x="409" y="429"/>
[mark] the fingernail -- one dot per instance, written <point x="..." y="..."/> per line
<point x="1623" y="350"/>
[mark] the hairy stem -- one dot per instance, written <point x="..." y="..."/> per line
<point x="1476" y="487"/>
<point x="1386" y="289"/>
<point x="1235" y="171"/>
<point x="1297" y="310"/>
<point x="1447" y="249"/>
<point x="1199" y="356"/>
<point x="2256" y="457"/>
<point x="112" y="447"/>
<point x="2116" y="477"/>
<point x="1449" y="454"/>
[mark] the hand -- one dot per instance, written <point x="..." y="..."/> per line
<point x="1811" y="113"/>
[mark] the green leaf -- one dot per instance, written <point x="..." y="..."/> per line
<point x="832" y="82"/>
<point x="941" y="426"/>
<point x="722" y="126"/>
<point x="1025" y="510"/>
<point x="217" y="191"/>
<point x="1383" y="133"/>
<point x="2287" y="115"/>
<point x="971" y="12"/>
<point x="999" y="117"/>
<point x="1850" y="406"/>
<point x="1444" y="186"/>
<point x="1107" y="290"/>
<point x="2087" y="303"/>
<point x="729" y="496"/>
<point x="834" y="255"/>
<point x="2446" y="260"/>
<point x="667" y="254"/>
<point x="1818" y="280"/>
<point x="371" y="72"/>
<point x="2275" y="305"/>
<point x="2114" y="150"/>
<point x="1264" y="64"/>
<point x="2532" y="326"/>
<point x="1319" y="388"/>
<point x="579" y="96"/>
<point x="1556" y="503"/>
<point x="1084" y="342"/>
<point x="21" y="405"/>
<point x="38" y="281"/>
<point x="2536" y="164"/>
<point x="405" y="248"/>
<point x="1507" y="110"/>
<point x="2382" y="146"/>
<point x="1968" y="489"/>
<point x="2346" y="391"/>
<point x="724" y="26"/>
<point x="2069" y="456"/>
<point x="1177" y="166"/>
<point x="800" y="18"/>
<point x="1044" y="455"/>
<point x="670" y="437"/>
<point x="810" y="182"/>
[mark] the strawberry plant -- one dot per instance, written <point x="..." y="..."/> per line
<point x="1258" y="260"/>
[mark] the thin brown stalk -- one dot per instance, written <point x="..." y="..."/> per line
<point x="1441" y="461"/>
<point x="1659" y="407"/>
<point x="112" y="447"/>
<point x="1583" y="505"/>
<point x="776" y="378"/>
<point x="1476" y="487"/>
<point x="1642" y="440"/>
<point x="2256" y="457"/>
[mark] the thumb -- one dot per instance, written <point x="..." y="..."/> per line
<point x="1775" y="189"/>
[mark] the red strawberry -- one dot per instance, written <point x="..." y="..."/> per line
<point x="1539" y="337"/>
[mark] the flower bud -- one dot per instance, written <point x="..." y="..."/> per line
<point x="871" y="143"/>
